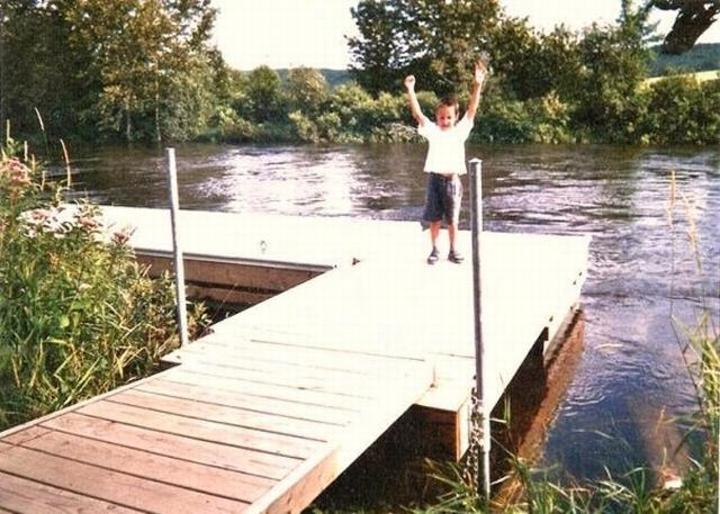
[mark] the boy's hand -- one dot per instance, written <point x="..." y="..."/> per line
<point x="479" y="77"/>
<point x="412" y="99"/>
<point x="480" y="73"/>
<point x="410" y="82"/>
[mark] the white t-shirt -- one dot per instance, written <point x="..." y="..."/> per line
<point x="446" y="149"/>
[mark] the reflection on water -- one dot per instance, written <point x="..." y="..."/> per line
<point x="642" y="270"/>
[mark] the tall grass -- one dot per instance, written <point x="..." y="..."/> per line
<point x="78" y="316"/>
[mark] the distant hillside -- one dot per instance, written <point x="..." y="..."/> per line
<point x="702" y="57"/>
<point x="334" y="77"/>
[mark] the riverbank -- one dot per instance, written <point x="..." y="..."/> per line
<point x="670" y="110"/>
<point x="78" y="315"/>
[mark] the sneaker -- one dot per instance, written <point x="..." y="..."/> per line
<point x="433" y="257"/>
<point x="455" y="256"/>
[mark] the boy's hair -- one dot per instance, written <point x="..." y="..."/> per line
<point x="449" y="101"/>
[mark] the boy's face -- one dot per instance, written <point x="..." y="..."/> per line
<point x="445" y="117"/>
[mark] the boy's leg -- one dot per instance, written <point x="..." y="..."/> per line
<point x="435" y="232"/>
<point x="453" y="200"/>
<point x="454" y="255"/>
<point x="433" y="212"/>
<point x="452" y="231"/>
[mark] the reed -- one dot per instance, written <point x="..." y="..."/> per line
<point x="78" y="316"/>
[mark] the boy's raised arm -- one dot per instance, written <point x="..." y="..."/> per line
<point x="412" y="99"/>
<point x="478" y="82"/>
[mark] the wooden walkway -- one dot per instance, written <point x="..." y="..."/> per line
<point x="264" y="413"/>
<point x="246" y="428"/>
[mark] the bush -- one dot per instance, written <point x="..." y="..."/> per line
<point x="593" y="109"/>
<point x="304" y="127"/>
<point x="227" y="125"/>
<point x="78" y="316"/>
<point x="682" y="110"/>
<point x="395" y="133"/>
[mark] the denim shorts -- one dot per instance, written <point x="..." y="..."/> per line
<point x="443" y="198"/>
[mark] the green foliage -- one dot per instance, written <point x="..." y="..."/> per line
<point x="149" y="63"/>
<point x="352" y="105"/>
<point x="377" y="52"/>
<point x="228" y="126"/>
<point x="438" y="41"/>
<point x="128" y="69"/>
<point x="307" y="89"/>
<point x="614" y="59"/>
<point x="682" y="110"/>
<point x="522" y="77"/>
<point x="37" y="69"/>
<point x="305" y="128"/>
<point x="596" y="99"/>
<point x="630" y="492"/>
<point x="142" y="70"/>
<point x="333" y="78"/>
<point x="354" y="116"/>
<point x="550" y="62"/>
<point x="78" y="316"/>
<point x="538" y="120"/>
<point x="557" y="87"/>
<point x="262" y="95"/>
<point x="705" y="341"/>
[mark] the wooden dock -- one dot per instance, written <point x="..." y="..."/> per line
<point x="350" y="329"/>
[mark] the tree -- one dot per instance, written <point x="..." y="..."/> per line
<point x="127" y="67"/>
<point x="614" y="62"/>
<point x="142" y="49"/>
<point x="263" y="95"/>
<point x="307" y="89"/>
<point x="693" y="19"/>
<point x="37" y="68"/>
<point x="436" y="40"/>
<point x="531" y="64"/>
<point x="377" y="53"/>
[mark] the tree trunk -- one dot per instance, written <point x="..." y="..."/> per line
<point x="158" y="134"/>
<point x="693" y="19"/>
<point x="2" y="66"/>
<point x="128" y="125"/>
<point x="691" y="22"/>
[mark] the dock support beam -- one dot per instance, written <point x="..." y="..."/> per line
<point x="177" y="249"/>
<point x="481" y="409"/>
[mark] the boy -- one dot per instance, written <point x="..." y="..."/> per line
<point x="445" y="160"/>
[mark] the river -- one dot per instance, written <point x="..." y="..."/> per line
<point x="644" y="283"/>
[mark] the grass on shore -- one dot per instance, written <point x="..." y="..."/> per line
<point x="78" y="315"/>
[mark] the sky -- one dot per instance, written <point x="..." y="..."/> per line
<point x="291" y="33"/>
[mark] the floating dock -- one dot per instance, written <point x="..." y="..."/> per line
<point x="348" y="330"/>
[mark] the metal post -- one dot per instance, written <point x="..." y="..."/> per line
<point x="177" y="249"/>
<point x="3" y="91"/>
<point x="476" y="223"/>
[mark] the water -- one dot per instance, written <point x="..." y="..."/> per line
<point x="643" y="270"/>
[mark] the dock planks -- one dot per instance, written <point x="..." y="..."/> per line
<point x="203" y="438"/>
<point x="265" y="412"/>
